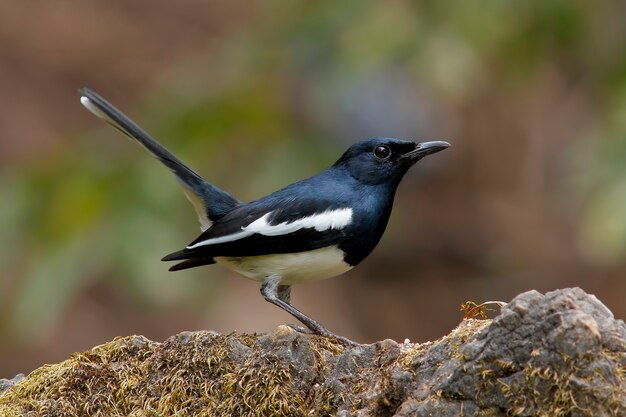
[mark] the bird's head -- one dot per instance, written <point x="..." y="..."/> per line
<point x="385" y="160"/>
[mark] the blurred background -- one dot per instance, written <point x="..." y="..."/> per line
<point x="255" y="95"/>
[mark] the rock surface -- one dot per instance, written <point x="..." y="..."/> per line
<point x="558" y="354"/>
<point x="5" y="384"/>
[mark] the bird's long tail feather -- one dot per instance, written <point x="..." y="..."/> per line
<point x="209" y="201"/>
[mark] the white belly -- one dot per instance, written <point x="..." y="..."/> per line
<point x="292" y="268"/>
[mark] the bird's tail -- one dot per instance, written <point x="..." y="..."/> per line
<point x="209" y="201"/>
<point x="192" y="263"/>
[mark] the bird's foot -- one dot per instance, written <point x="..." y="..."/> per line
<point x="300" y="329"/>
<point x="323" y="332"/>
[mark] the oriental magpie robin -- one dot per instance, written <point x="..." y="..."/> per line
<point x="313" y="229"/>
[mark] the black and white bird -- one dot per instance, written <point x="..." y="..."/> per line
<point x="313" y="229"/>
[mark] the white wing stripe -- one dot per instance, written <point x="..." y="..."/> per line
<point x="330" y="219"/>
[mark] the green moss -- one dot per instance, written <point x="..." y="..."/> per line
<point x="564" y="389"/>
<point x="200" y="376"/>
<point x="92" y="383"/>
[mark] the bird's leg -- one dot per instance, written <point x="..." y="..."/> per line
<point x="279" y="295"/>
<point x="283" y="292"/>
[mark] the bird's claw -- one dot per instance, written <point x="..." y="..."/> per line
<point x="300" y="329"/>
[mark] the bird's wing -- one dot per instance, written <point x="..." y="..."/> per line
<point x="286" y="227"/>
<point x="209" y="201"/>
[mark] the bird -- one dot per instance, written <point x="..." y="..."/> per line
<point x="313" y="229"/>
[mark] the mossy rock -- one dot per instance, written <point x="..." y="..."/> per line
<point x="559" y="354"/>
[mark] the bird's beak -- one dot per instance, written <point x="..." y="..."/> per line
<point x="426" y="148"/>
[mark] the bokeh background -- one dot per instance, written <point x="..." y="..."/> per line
<point x="255" y="95"/>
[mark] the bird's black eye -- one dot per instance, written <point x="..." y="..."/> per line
<point x="382" y="152"/>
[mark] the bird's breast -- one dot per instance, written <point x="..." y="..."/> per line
<point x="368" y="226"/>
<point x="292" y="268"/>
